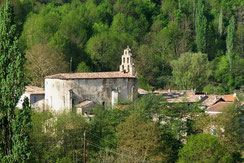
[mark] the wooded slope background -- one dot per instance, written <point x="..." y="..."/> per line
<point x="90" y="35"/>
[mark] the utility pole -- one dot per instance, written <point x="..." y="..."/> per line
<point x="84" y="147"/>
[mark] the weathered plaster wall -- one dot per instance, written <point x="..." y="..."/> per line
<point x="21" y="100"/>
<point x="31" y="97"/>
<point x="58" y="95"/>
<point x="37" y="96"/>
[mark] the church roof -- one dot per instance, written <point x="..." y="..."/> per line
<point x="91" y="75"/>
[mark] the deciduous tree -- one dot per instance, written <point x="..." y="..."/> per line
<point x="141" y="138"/>
<point x="191" y="70"/>
<point x="43" y="60"/>
<point x="203" y="148"/>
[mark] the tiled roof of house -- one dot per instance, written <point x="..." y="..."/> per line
<point x="218" y="106"/>
<point x="84" y="103"/>
<point x="142" y="91"/>
<point x="91" y="75"/>
<point x="34" y="90"/>
<point x="210" y="100"/>
<point x="230" y="98"/>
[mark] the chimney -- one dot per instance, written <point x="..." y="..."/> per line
<point x="169" y="90"/>
<point x="234" y="94"/>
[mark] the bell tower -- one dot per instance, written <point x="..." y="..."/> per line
<point x="127" y="65"/>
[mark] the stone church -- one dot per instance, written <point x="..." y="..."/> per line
<point x="82" y="90"/>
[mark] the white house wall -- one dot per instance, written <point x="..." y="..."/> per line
<point x="21" y="100"/>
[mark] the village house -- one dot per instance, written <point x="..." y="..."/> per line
<point x="213" y="104"/>
<point x="35" y="95"/>
<point x="66" y="91"/>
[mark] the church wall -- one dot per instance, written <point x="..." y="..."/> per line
<point x="59" y="97"/>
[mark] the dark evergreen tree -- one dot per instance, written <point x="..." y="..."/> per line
<point x="230" y="40"/>
<point x="200" y="27"/>
<point x="11" y="78"/>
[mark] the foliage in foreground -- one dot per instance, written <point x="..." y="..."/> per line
<point x="203" y="148"/>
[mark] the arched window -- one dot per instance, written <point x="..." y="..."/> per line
<point x="123" y="59"/>
<point x="128" y="60"/>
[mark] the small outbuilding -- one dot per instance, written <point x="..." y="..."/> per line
<point x="35" y="95"/>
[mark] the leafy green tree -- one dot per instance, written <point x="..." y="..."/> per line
<point x="230" y="40"/>
<point x="149" y="65"/>
<point x="191" y="70"/>
<point x="228" y="129"/>
<point x="203" y="148"/>
<point x="11" y="80"/>
<point x="104" y="125"/>
<point x="141" y="138"/>
<point x="57" y="138"/>
<point x="226" y="79"/>
<point x="201" y="27"/>
<point x="21" y="129"/>
<point x="123" y="24"/>
<point x="226" y="126"/>
<point x="105" y="50"/>
<point x="82" y="67"/>
<point x="147" y="106"/>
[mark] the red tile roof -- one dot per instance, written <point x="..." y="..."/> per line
<point x="219" y="106"/>
<point x="91" y="75"/>
<point x="210" y="100"/>
<point x="34" y="90"/>
<point x="84" y="103"/>
<point x="230" y="98"/>
<point x="142" y="91"/>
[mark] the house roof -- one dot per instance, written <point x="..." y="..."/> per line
<point x="142" y="91"/>
<point x="230" y="98"/>
<point x="34" y="90"/>
<point x="210" y="100"/>
<point x="84" y="103"/>
<point x="218" y="106"/>
<point x="91" y="75"/>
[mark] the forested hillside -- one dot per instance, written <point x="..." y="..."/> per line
<point x="90" y="35"/>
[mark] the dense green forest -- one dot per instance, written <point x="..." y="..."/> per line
<point x="90" y="35"/>
<point x="191" y="44"/>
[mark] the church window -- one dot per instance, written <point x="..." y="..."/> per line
<point x="128" y="60"/>
<point x="124" y="60"/>
<point x="123" y="67"/>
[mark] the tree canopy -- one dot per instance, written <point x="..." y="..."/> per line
<point x="94" y="33"/>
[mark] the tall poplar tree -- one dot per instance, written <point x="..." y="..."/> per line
<point x="11" y="79"/>
<point x="21" y="126"/>
<point x="230" y="40"/>
<point x="201" y="27"/>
